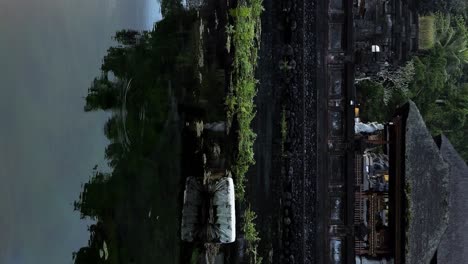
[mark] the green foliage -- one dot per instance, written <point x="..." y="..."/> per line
<point x="95" y="199"/>
<point x="195" y="256"/>
<point x="170" y="7"/>
<point x="244" y="35"/>
<point x="452" y="37"/>
<point x="128" y="37"/>
<point x="372" y="97"/>
<point x="396" y="83"/>
<point x="458" y="7"/>
<point x="438" y="85"/>
<point x="251" y="236"/>
<point x="441" y="95"/>
<point x="103" y="94"/>
<point x="449" y="116"/>
<point x="439" y="88"/>
<point x="381" y="95"/>
<point x="429" y="80"/>
<point x="426" y="32"/>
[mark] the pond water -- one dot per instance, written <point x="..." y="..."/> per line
<point x="159" y="87"/>
<point x="111" y="107"/>
<point x="118" y="163"/>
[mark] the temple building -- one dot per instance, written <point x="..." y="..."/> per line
<point x="386" y="33"/>
<point x="395" y="220"/>
<point x="453" y="246"/>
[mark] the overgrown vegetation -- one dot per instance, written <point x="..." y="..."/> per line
<point x="244" y="40"/>
<point x="251" y="236"/>
<point x="386" y="91"/>
<point x="455" y="7"/>
<point x="372" y="107"/>
<point x="245" y="37"/>
<point x="439" y="84"/>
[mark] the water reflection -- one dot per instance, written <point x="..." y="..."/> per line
<point x="336" y="36"/>
<point x="157" y="86"/>
<point x="336" y="251"/>
<point x="336" y="212"/>
<point x="143" y="80"/>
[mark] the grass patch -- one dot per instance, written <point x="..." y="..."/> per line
<point x="427" y="32"/>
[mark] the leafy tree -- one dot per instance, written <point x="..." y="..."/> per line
<point x="452" y="36"/>
<point x="372" y="107"/>
<point x="396" y="81"/>
<point x="458" y="7"/>
<point x="87" y="255"/>
<point x="429" y="80"/>
<point x="111" y="128"/>
<point x="449" y="114"/>
<point x="128" y="37"/>
<point x="103" y="95"/>
<point x="95" y="201"/>
<point x="170" y="7"/>
<point x="116" y="61"/>
<point x="114" y="153"/>
<point x="439" y="87"/>
<point x="436" y="82"/>
<point x="383" y="93"/>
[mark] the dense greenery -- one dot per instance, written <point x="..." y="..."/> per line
<point x="138" y="77"/>
<point x="455" y="7"/>
<point x="244" y="37"/>
<point x="439" y="86"/>
<point x="251" y="236"/>
<point x="372" y="107"/>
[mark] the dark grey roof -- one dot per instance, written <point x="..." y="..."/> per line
<point x="426" y="189"/>
<point x="453" y="247"/>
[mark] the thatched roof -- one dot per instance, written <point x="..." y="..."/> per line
<point x="426" y="189"/>
<point x="217" y="198"/>
<point x="453" y="247"/>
